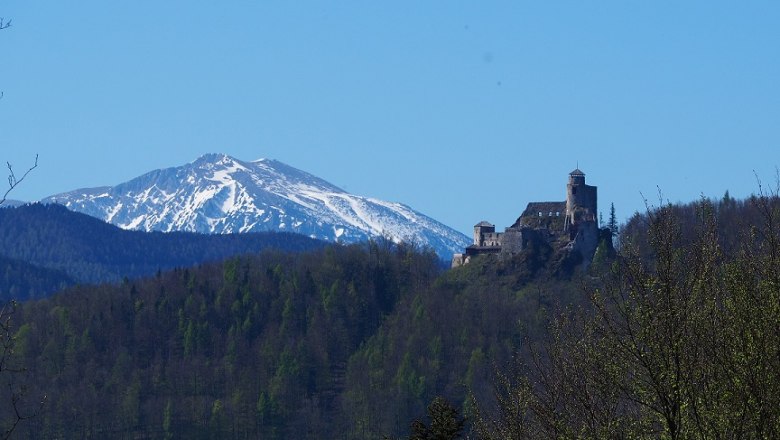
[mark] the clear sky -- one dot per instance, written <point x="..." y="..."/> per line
<point x="465" y="111"/>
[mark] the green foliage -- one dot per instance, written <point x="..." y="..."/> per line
<point x="354" y="342"/>
<point x="408" y="381"/>
<point x="167" y="422"/>
<point x="613" y="223"/>
<point x="446" y="338"/>
<point x="680" y="340"/>
<point x="445" y="423"/>
<point x="189" y="353"/>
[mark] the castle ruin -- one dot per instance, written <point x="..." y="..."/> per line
<point x="571" y="224"/>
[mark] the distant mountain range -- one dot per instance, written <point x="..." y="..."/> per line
<point x="218" y="194"/>
<point x="9" y="203"/>
<point x="21" y="281"/>
<point x="46" y="247"/>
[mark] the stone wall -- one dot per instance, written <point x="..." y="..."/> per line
<point x="491" y="239"/>
<point x="586" y="240"/>
<point x="512" y="242"/>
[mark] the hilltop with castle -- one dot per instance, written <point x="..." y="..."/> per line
<point x="571" y="225"/>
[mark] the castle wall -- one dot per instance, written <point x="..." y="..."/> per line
<point x="512" y="242"/>
<point x="573" y="220"/>
<point x="586" y="240"/>
<point x="588" y="200"/>
<point x="491" y="239"/>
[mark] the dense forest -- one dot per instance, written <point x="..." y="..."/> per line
<point x="88" y="250"/>
<point x="21" y="281"/>
<point x="254" y="346"/>
<point x="343" y="342"/>
<point x="675" y="336"/>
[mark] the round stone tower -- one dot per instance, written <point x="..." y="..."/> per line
<point x="580" y="199"/>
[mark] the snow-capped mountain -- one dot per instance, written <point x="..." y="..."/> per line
<point x="220" y="194"/>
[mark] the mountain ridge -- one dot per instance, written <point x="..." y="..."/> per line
<point x="89" y="250"/>
<point x="217" y="193"/>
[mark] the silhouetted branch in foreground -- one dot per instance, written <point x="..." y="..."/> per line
<point x="14" y="181"/>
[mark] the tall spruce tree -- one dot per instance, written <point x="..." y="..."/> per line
<point x="612" y="225"/>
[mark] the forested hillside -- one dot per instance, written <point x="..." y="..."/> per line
<point x="675" y="337"/>
<point x="22" y="281"/>
<point x="88" y="250"/>
<point x="255" y="346"/>
<point x="345" y="342"/>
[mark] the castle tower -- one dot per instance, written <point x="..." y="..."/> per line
<point x="480" y="230"/>
<point x="581" y="200"/>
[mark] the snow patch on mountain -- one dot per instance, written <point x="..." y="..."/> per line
<point x="220" y="194"/>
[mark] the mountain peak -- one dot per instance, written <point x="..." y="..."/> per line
<point x="217" y="193"/>
<point x="214" y="158"/>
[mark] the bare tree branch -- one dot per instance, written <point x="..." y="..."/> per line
<point x="7" y="336"/>
<point x="4" y="25"/>
<point x="13" y="181"/>
<point x="19" y="411"/>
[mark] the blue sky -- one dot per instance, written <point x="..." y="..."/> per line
<point x="463" y="110"/>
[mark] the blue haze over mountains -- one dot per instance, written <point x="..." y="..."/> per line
<point x="218" y="194"/>
<point x="48" y="247"/>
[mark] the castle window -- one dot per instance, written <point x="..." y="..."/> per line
<point x="549" y="214"/>
<point x="557" y="213"/>
<point x="540" y="213"/>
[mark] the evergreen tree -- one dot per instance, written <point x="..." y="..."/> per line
<point x="727" y="197"/>
<point x="446" y="422"/>
<point x="612" y="225"/>
<point x="419" y="431"/>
